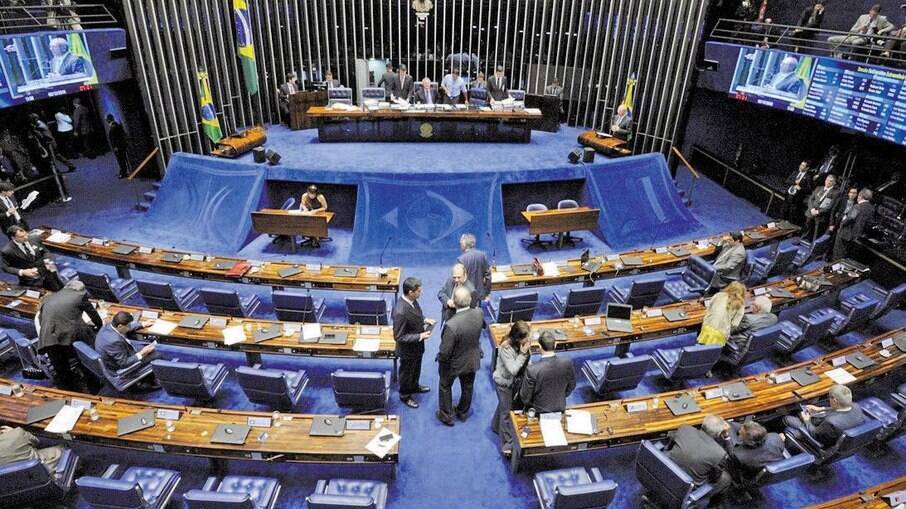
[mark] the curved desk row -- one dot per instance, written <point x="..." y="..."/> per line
<point x="193" y="427"/>
<point x="870" y="498"/>
<point x="590" y="331"/>
<point x="632" y="420"/>
<point x="130" y="255"/>
<point x="640" y="261"/>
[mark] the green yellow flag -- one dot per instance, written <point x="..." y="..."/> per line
<point x="77" y="48"/>
<point x="628" y="97"/>
<point x="209" y="122"/>
<point x="246" y="47"/>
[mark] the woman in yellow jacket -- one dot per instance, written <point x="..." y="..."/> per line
<point x="723" y="314"/>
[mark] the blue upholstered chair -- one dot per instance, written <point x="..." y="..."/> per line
<point x="190" y="379"/>
<point x="517" y="95"/>
<point x="510" y="308"/>
<point x="638" y="293"/>
<point x="795" y="462"/>
<point x="137" y="488"/>
<point x="7" y="345"/>
<point x="758" y="345"/>
<point x="807" y="330"/>
<point x="28" y="483"/>
<point x="341" y="95"/>
<point x="294" y="306"/>
<point x="28" y="355"/>
<point x="365" y="390"/>
<point x="122" y="379"/>
<point x="348" y="494"/>
<point x="373" y="94"/>
<point x="235" y="492"/>
<point x="686" y="362"/>
<point x="165" y="296"/>
<point x="579" y="301"/>
<point x="478" y="97"/>
<point x="694" y="280"/>
<point x="893" y="421"/>
<point x="574" y="488"/>
<point x="889" y="299"/>
<point x="229" y="302"/>
<point x="852" y="315"/>
<point x="811" y="251"/>
<point x="536" y="240"/>
<point x="775" y="263"/>
<point x="100" y="286"/>
<point x="666" y="484"/>
<point x="276" y="388"/>
<point x="366" y="311"/>
<point x="850" y="442"/>
<point x="616" y="374"/>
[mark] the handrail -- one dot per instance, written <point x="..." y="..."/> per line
<point x="72" y="17"/>
<point x="144" y="162"/>
<point x="685" y="162"/>
<point x="727" y="169"/>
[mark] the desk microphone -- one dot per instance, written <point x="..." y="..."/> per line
<point x="387" y="243"/>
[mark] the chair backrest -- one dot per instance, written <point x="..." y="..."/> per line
<point x="111" y="494"/>
<point x="90" y="359"/>
<point x="583" y="496"/>
<point x="263" y="385"/>
<point x="699" y="273"/>
<point x="664" y="481"/>
<point x="98" y="285"/>
<point x="567" y="204"/>
<point x="293" y="306"/>
<point x="782" y="260"/>
<point x="373" y="93"/>
<point x="761" y="342"/>
<point x="28" y="355"/>
<point x="815" y="329"/>
<point x="517" y="307"/>
<point x="517" y="95"/>
<point x="857" y="437"/>
<point x="583" y="301"/>
<point x="288" y="203"/>
<point x="820" y="247"/>
<point x="159" y="295"/>
<point x="892" y="300"/>
<point x="860" y="312"/>
<point x="644" y="292"/>
<point x="625" y="373"/>
<point x="203" y="499"/>
<point x="222" y="302"/>
<point x="24" y="482"/>
<point x="363" y="389"/>
<point x="181" y="378"/>
<point x="695" y="361"/>
<point x="478" y="96"/>
<point x="536" y="207"/>
<point x="366" y="311"/>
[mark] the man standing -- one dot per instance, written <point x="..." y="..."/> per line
<point x="459" y="356"/>
<point x="820" y="203"/>
<point x="64" y="132"/>
<point x="388" y="81"/>
<point x="60" y="324"/>
<point x="550" y="381"/>
<point x="82" y="129"/>
<point x="621" y="122"/>
<point x="424" y="94"/>
<point x="10" y="214"/>
<point x="445" y="295"/>
<point x="29" y="261"/>
<point x="497" y="86"/>
<point x="454" y="87"/>
<point x="478" y="268"/>
<point x="730" y="261"/>
<point x="286" y="90"/>
<point x="799" y="185"/>
<point x="403" y="83"/>
<point x="16" y="444"/>
<point x="117" y="137"/>
<point x="853" y="223"/>
<point x="410" y="331"/>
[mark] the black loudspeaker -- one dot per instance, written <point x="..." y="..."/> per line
<point x="589" y="156"/>
<point x="272" y="157"/>
<point x="575" y="156"/>
<point x="259" y="155"/>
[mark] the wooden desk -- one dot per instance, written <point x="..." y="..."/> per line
<point x="562" y="220"/>
<point x="869" y="498"/>
<point x="241" y="142"/>
<point x="607" y="145"/>
<point x="291" y="223"/>
<point x="299" y="104"/>
<point x="420" y="125"/>
<point x="657" y="259"/>
<point x="199" y="266"/>
<point x="618" y="427"/>
<point x="656" y="327"/>
<point x="290" y="442"/>
<point x="211" y="336"/>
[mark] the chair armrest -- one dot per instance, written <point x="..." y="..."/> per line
<point x="350" y="501"/>
<point x="803" y="441"/>
<point x="596" y="475"/>
<point x="798" y="461"/>
<point x="321" y="487"/>
<point x="128" y="370"/>
<point x="386" y="379"/>
<point x="210" y="483"/>
<point x="676" y="272"/>
<point x="110" y="472"/>
<point x="700" y="493"/>
<point x="899" y="399"/>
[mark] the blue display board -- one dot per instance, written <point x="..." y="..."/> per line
<point x="39" y="65"/>
<point x="865" y="98"/>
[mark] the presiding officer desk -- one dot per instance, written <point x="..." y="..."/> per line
<point x="654" y="327"/>
<point x="218" y="268"/>
<point x="869" y="498"/>
<point x="211" y="334"/>
<point x="292" y="222"/>
<point x="416" y="124"/>
<point x="652" y="260"/>
<point x="288" y="442"/>
<point x="616" y="425"/>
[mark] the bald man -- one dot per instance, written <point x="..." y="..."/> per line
<point x="445" y="295"/>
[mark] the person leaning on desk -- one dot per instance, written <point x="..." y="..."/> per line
<point x="312" y="202"/>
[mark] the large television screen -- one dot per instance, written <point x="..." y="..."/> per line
<point x="865" y="98"/>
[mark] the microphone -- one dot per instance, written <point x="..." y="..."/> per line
<point x="387" y="243"/>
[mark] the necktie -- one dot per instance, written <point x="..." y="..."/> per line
<point x="26" y="248"/>
<point x="428" y="95"/>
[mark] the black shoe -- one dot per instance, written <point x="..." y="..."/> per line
<point x="462" y="417"/>
<point x="446" y="422"/>
<point x="424" y="388"/>
<point x="411" y="403"/>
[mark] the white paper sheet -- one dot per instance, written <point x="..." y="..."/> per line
<point x="498" y="277"/>
<point x="58" y="237"/>
<point x="579" y="422"/>
<point x="161" y="328"/>
<point x="382" y="442"/>
<point x="550" y="269"/>
<point x="233" y="335"/>
<point x="552" y="430"/>
<point x="29" y="199"/>
<point x="840" y="376"/>
<point x="311" y="331"/>
<point x="366" y="345"/>
<point x="65" y="419"/>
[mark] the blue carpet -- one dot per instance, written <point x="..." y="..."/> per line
<point x="440" y="467"/>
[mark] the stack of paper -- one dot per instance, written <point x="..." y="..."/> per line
<point x="497" y="277"/>
<point x="233" y="335"/>
<point x="552" y="430"/>
<point x="58" y="237"/>
<point x="840" y="376"/>
<point x="311" y="331"/>
<point x="366" y="345"/>
<point x="550" y="269"/>
<point x="161" y="328"/>
<point x="579" y="422"/>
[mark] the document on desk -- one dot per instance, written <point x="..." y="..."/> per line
<point x="552" y="430"/>
<point x="295" y="212"/>
<point x="366" y="345"/>
<point x="65" y="419"/>
<point x="382" y="442"/>
<point x="233" y="335"/>
<point x="550" y="269"/>
<point x="311" y="331"/>
<point x="579" y="422"/>
<point x="58" y="238"/>
<point x="161" y="328"/>
<point x="840" y="376"/>
<point x="498" y="277"/>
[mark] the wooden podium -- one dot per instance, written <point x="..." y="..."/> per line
<point x="291" y="223"/>
<point x="237" y="144"/>
<point x="607" y="145"/>
<point x="298" y="108"/>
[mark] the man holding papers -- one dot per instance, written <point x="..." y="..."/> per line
<point x="116" y="348"/>
<point x="10" y="210"/>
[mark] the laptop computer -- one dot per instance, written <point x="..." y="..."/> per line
<point x="224" y="265"/>
<point x="619" y="317"/>
<point x="675" y="315"/>
<point x="79" y="241"/>
<point x="522" y="269"/>
<point x="804" y="376"/>
<point x="123" y="250"/>
<point x="328" y="426"/>
<point x="12" y="292"/>
<point x="679" y="252"/>
<point x="631" y="260"/>
<point x="288" y="271"/>
<point x="135" y="422"/>
<point x="194" y="322"/>
<point x="860" y="360"/>
<point x="737" y="391"/>
<point x="900" y="342"/>
<point x="266" y="333"/>
<point x="333" y="338"/>
<point x="682" y="405"/>
<point x="754" y="235"/>
<point x="172" y="257"/>
<point x="780" y="293"/>
<point x="45" y="411"/>
<point x="346" y="271"/>
<point x="234" y="434"/>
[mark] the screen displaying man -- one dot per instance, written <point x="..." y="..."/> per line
<point x="66" y="65"/>
<point x="787" y="80"/>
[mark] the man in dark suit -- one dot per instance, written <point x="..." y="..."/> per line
<point x="621" y="122"/>
<point x="798" y="186"/>
<point x="730" y="261"/>
<point x="853" y="224"/>
<point x="404" y="84"/>
<point x="827" y="424"/>
<point x="819" y="206"/>
<point x="756" y="448"/>
<point x="10" y="212"/>
<point x="478" y="268"/>
<point x="843" y="206"/>
<point x="459" y="356"/>
<point x="29" y="261"/>
<point x="550" y="381"/>
<point x="388" y="81"/>
<point x="286" y="90"/>
<point x="701" y="453"/>
<point x="410" y="331"/>
<point x="425" y="94"/>
<point x="497" y="86"/>
<point x="445" y="295"/>
<point x="119" y="144"/>
<point x="330" y="81"/>
<point x="115" y="347"/>
<point x="60" y="324"/>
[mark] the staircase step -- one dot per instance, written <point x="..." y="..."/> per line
<point x="156" y="186"/>
<point x="150" y="195"/>
<point x="144" y="206"/>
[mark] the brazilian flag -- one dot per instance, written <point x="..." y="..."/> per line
<point x="77" y="47"/>
<point x="246" y="47"/>
<point x="209" y="122"/>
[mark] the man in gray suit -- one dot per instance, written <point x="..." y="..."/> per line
<point x="60" y="325"/>
<point x="286" y="90"/>
<point x="478" y="268"/>
<point x="701" y="453"/>
<point x="621" y="122"/>
<point x="459" y="356"/>
<point x="827" y="424"/>
<point x="866" y="26"/>
<point x="445" y="295"/>
<point x="16" y="444"/>
<point x="730" y="261"/>
<point x="497" y="86"/>
<point x="550" y="381"/>
<point x="759" y="318"/>
<point x="820" y="205"/>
